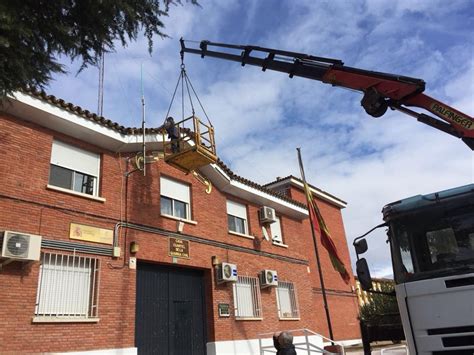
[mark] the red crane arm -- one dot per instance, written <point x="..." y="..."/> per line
<point x="381" y="90"/>
<point x="401" y="92"/>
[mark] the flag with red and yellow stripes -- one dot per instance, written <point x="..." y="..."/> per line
<point x="320" y="228"/>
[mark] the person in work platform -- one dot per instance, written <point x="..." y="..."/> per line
<point x="173" y="133"/>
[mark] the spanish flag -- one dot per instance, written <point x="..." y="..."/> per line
<point x="320" y="228"/>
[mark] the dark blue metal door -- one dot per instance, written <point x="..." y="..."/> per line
<point x="170" y="311"/>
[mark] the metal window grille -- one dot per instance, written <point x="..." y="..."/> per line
<point x="68" y="286"/>
<point x="247" y="302"/>
<point x="287" y="300"/>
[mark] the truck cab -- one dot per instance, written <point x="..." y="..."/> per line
<point x="432" y="246"/>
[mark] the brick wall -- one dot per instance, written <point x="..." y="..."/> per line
<point x="26" y="205"/>
<point x="342" y="304"/>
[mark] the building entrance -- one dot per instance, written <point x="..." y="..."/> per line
<point x="170" y="311"/>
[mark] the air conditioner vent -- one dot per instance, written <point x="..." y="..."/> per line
<point x="226" y="273"/>
<point x="21" y="246"/>
<point x="268" y="278"/>
<point x="267" y="215"/>
<point x="17" y="246"/>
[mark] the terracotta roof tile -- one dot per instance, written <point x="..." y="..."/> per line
<point x="312" y="186"/>
<point x="40" y="94"/>
<point x="262" y="188"/>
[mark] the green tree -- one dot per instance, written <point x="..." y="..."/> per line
<point x="381" y="309"/>
<point x="34" y="33"/>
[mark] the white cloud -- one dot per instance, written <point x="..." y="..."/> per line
<point x="260" y="118"/>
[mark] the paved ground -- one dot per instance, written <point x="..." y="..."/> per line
<point x="381" y="348"/>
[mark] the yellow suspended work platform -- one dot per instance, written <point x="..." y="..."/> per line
<point x="194" y="148"/>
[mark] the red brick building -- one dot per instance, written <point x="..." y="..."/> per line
<point x="139" y="262"/>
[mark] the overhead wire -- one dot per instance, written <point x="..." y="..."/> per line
<point x="124" y="92"/>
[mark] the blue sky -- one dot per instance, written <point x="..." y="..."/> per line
<point x="261" y="117"/>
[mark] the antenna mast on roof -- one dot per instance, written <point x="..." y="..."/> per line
<point x="100" y="99"/>
<point x="143" y="124"/>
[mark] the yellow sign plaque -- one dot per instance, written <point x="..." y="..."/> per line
<point x="179" y="248"/>
<point x="91" y="234"/>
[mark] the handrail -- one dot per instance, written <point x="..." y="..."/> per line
<point x="309" y="347"/>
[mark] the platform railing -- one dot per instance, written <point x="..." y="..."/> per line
<point x="192" y="132"/>
<point x="307" y="346"/>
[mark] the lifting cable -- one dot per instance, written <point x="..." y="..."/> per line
<point x="184" y="80"/>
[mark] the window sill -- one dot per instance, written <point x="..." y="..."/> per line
<point x="189" y="221"/>
<point x="283" y="318"/>
<point x="242" y="235"/>
<point x="250" y="319"/>
<point x="281" y="245"/>
<point x="64" y="320"/>
<point x="75" y="193"/>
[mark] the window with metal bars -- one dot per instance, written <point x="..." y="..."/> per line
<point x="68" y="287"/>
<point x="247" y="301"/>
<point x="287" y="301"/>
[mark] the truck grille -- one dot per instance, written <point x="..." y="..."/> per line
<point x="451" y="330"/>
<point x="458" y="341"/>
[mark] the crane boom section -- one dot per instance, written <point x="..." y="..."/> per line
<point x="381" y="90"/>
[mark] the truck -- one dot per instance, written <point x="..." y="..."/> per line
<point x="431" y="236"/>
<point x="431" y="240"/>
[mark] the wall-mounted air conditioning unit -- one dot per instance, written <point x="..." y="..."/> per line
<point x="226" y="273"/>
<point x="267" y="215"/>
<point x="268" y="278"/>
<point x="20" y="246"/>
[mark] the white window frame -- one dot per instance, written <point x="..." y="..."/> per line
<point x="68" y="288"/>
<point x="176" y="192"/>
<point x="287" y="301"/>
<point x="238" y="211"/>
<point x="276" y="232"/>
<point x="76" y="161"/>
<point x="247" y="298"/>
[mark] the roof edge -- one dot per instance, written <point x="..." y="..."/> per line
<point x="292" y="180"/>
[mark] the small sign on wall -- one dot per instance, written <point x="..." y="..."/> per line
<point x="224" y="309"/>
<point x="91" y="234"/>
<point x="178" y="248"/>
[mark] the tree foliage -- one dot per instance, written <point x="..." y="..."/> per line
<point x="381" y="309"/>
<point x="34" y="33"/>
